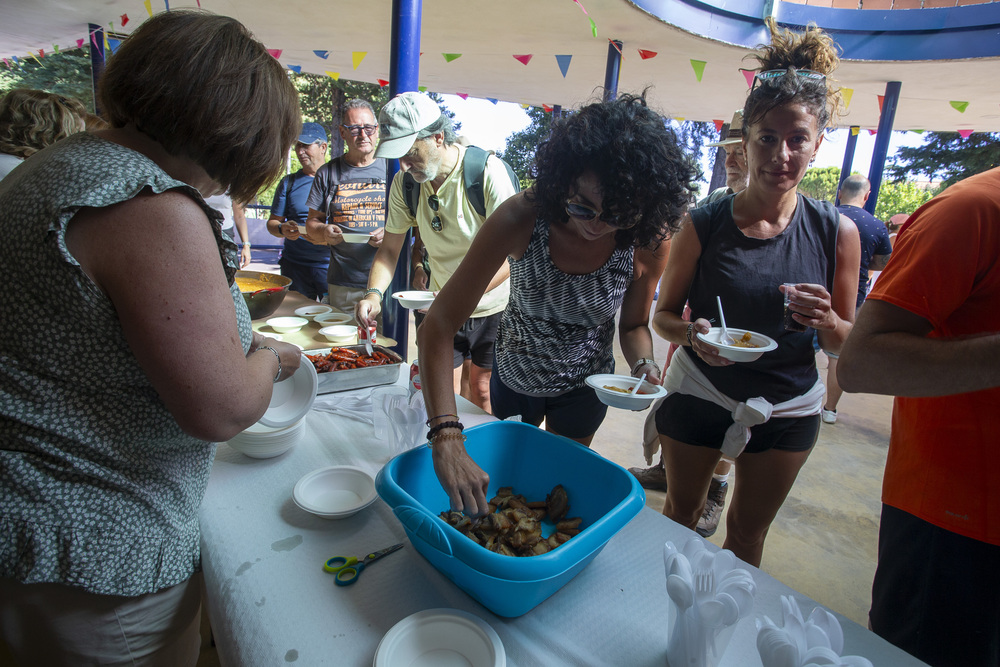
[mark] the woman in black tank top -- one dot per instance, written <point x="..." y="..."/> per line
<point x="743" y="248"/>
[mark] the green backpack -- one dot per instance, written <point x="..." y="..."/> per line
<point x="473" y="174"/>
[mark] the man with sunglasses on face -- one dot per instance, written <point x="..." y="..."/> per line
<point x="348" y="196"/>
<point x="414" y="130"/>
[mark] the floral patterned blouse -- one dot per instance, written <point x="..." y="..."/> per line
<point x="99" y="487"/>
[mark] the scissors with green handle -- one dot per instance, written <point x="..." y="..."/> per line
<point x="347" y="570"/>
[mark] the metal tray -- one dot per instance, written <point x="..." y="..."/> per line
<point x="357" y="378"/>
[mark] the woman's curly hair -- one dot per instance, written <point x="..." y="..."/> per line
<point x="645" y="178"/>
<point x="30" y="120"/>
<point x="812" y="50"/>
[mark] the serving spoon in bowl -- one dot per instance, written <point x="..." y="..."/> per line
<point x="724" y="337"/>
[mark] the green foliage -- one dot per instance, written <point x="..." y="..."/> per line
<point x="66" y="73"/>
<point x="821" y="183"/>
<point x="322" y="100"/>
<point x="693" y="135"/>
<point x="901" y="197"/>
<point x="947" y="156"/>
<point x="521" y="145"/>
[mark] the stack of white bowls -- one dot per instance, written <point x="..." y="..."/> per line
<point x="265" y="442"/>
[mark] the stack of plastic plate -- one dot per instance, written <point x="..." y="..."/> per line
<point x="265" y="442"/>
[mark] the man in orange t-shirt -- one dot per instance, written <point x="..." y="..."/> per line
<point x="929" y="334"/>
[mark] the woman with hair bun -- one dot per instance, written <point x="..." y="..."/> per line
<point x="743" y="248"/>
<point x="30" y="120"/>
<point x="585" y="242"/>
<point x="127" y="347"/>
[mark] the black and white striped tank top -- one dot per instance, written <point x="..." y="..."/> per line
<point x="559" y="328"/>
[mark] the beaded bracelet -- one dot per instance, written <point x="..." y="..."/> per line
<point x="375" y="290"/>
<point x="443" y="425"/>
<point x="447" y="436"/>
<point x="430" y="419"/>
<point x="643" y="362"/>
<point x="276" y="356"/>
<point x="690" y="329"/>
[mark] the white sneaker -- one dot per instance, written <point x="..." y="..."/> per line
<point x="829" y="416"/>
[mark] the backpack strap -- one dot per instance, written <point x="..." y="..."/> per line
<point x="474" y="177"/>
<point x="411" y="194"/>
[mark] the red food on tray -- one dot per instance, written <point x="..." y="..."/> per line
<point x="342" y="358"/>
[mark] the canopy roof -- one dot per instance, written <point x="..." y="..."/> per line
<point x="946" y="59"/>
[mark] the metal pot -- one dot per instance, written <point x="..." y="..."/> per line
<point x="263" y="301"/>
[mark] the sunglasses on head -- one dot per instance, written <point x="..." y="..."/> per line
<point x="584" y="212"/>
<point x="434" y="203"/>
<point x="773" y="75"/>
<point x="356" y="130"/>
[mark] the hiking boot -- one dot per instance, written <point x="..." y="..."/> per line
<point x="709" y="521"/>
<point x="653" y="478"/>
<point x="829" y="416"/>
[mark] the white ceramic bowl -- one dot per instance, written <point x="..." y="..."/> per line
<point x="414" y="300"/>
<point x="621" y="399"/>
<point x="287" y="324"/>
<point x="733" y="353"/>
<point x="336" y="492"/>
<point x="312" y="311"/>
<point x="441" y="637"/>
<point x="341" y="334"/>
<point x="356" y="237"/>
<point x="329" y="319"/>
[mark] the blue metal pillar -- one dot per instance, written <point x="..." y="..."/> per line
<point x="845" y="168"/>
<point x="882" y="137"/>
<point x="404" y="74"/>
<point x="96" y="35"/>
<point x="611" y="72"/>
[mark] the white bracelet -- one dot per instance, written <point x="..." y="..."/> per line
<point x="642" y="362"/>
<point x="276" y="356"/>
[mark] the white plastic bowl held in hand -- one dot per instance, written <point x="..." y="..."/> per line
<point x="441" y="637"/>
<point x="733" y="353"/>
<point x="341" y="334"/>
<point x="414" y="300"/>
<point x="293" y="397"/>
<point x="287" y="324"/>
<point x="313" y="311"/>
<point x="329" y="319"/>
<point x="335" y="492"/>
<point x="620" y="397"/>
<point x="356" y="237"/>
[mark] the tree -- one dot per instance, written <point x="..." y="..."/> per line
<point x="693" y="135"/>
<point x="900" y="197"/>
<point x="521" y="146"/>
<point x="821" y="183"/>
<point x="66" y="73"/>
<point x="946" y="155"/>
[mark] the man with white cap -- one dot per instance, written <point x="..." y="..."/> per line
<point x="655" y="477"/>
<point x="413" y="129"/>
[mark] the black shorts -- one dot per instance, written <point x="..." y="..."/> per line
<point x="475" y="340"/>
<point x="695" y="421"/>
<point x="308" y="280"/>
<point x="935" y="592"/>
<point x="576" y="414"/>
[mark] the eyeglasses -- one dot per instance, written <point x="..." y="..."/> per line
<point x="584" y="212"/>
<point x="356" y="130"/>
<point x="772" y="75"/>
<point x="434" y="203"/>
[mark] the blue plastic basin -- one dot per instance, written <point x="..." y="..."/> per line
<point x="532" y="461"/>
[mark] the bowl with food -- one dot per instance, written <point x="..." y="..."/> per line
<point x="415" y="299"/>
<point x="331" y="318"/>
<point x="581" y="491"/>
<point x="747" y="345"/>
<point x="311" y="312"/>
<point x="616" y="391"/>
<point x="263" y="292"/>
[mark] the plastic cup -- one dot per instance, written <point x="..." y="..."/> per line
<point x="790" y="323"/>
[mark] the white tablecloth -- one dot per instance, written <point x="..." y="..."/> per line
<point x="271" y="603"/>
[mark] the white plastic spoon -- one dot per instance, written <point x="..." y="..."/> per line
<point x="724" y="338"/>
<point x="635" y="389"/>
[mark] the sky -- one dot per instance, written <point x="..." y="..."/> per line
<point x="488" y="125"/>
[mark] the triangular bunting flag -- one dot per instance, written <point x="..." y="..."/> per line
<point x="333" y="75"/>
<point x="881" y="100"/>
<point x="965" y="133"/>
<point x="563" y="62"/>
<point x="847" y="94"/>
<point x="275" y="53"/>
<point x="917" y="131"/>
<point x="593" y="27"/>
<point x="679" y="120"/>
<point x="448" y="57"/>
<point x="718" y="125"/>
<point x="41" y="53"/>
<point x="871" y="132"/>
<point x="960" y="107"/>
<point x="646" y="55"/>
<point x="7" y="62"/>
<point x="492" y="100"/>
<point x="523" y="106"/>
<point x="34" y="57"/>
<point x="79" y="43"/>
<point x="296" y="68"/>
<point x="749" y="75"/>
<point x="166" y="3"/>
<point x="322" y="54"/>
<point x="124" y="19"/>
<point x="855" y="130"/>
<point x="699" y="68"/>
<point x="422" y="89"/>
<point x="464" y="96"/>
<point x="357" y="57"/>
<point x="55" y="48"/>
<point x="382" y="82"/>
<point x="524" y="60"/>
<point x="546" y="108"/>
<point x="149" y="7"/>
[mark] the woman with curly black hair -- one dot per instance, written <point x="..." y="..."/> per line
<point x="586" y="241"/>
<point x="743" y="248"/>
